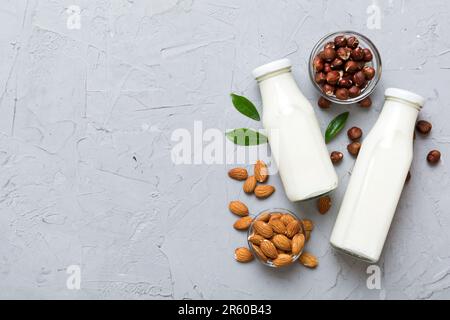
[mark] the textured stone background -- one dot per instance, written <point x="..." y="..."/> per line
<point x="86" y="175"/>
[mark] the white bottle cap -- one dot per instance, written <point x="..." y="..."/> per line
<point x="409" y="96"/>
<point x="271" y="67"/>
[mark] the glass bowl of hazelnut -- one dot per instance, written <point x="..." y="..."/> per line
<point x="276" y="237"/>
<point x="345" y="67"/>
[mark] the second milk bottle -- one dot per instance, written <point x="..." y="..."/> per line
<point x="297" y="144"/>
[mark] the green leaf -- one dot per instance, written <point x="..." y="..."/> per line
<point x="335" y="126"/>
<point x="245" y="106"/>
<point x="246" y="137"/>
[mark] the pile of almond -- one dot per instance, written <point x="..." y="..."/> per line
<point x="276" y="238"/>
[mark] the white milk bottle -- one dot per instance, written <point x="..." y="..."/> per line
<point x="297" y="144"/>
<point x="378" y="178"/>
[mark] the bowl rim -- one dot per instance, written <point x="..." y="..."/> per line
<point x="368" y="90"/>
<point x="274" y="210"/>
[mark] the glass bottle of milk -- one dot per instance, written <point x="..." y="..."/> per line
<point x="378" y="178"/>
<point x="297" y="144"/>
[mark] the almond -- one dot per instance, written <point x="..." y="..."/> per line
<point x="249" y="184"/>
<point x="269" y="249"/>
<point x="264" y="191"/>
<point x="293" y="228"/>
<point x="256" y="239"/>
<point x="308" y="224"/>
<point x="261" y="172"/>
<point x="307" y="235"/>
<point x="277" y="226"/>
<point x="324" y="204"/>
<point x="243" y="255"/>
<point x="264" y="217"/>
<point x="308" y="260"/>
<point x="282" y="260"/>
<point x="282" y="242"/>
<point x="263" y="229"/>
<point x="274" y="216"/>
<point x="298" y="243"/>
<point x="238" y="208"/>
<point x="238" y="174"/>
<point x="287" y="218"/>
<point x="259" y="253"/>
<point x="243" y="223"/>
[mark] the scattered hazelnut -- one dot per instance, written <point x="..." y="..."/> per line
<point x="354" y="91"/>
<point x="359" y="79"/>
<point x="368" y="56"/>
<point x="318" y="64"/>
<point x="369" y="73"/>
<point x="329" y="54"/>
<point x="351" y="66"/>
<point x="354" y="133"/>
<point x="357" y="54"/>
<point x="344" y="53"/>
<point x="337" y="63"/>
<point x="434" y="156"/>
<point x="342" y="94"/>
<point x="366" y="102"/>
<point x="321" y="78"/>
<point x="329" y="45"/>
<point x="336" y="157"/>
<point x="424" y="127"/>
<point x="353" y="148"/>
<point x="340" y="41"/>
<point x="345" y="83"/>
<point x="333" y="77"/>
<point x="328" y="89"/>
<point x="352" y="42"/>
<point x="324" y="103"/>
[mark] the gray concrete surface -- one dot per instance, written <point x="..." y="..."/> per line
<point x="86" y="175"/>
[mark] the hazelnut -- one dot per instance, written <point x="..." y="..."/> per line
<point x="342" y="94"/>
<point x="344" y="53"/>
<point x="327" y="68"/>
<point x="337" y="63"/>
<point x="329" y="54"/>
<point x="351" y="66"/>
<point x="359" y="79"/>
<point x="324" y="103"/>
<point x="354" y="91"/>
<point x="318" y="64"/>
<point x="333" y="77"/>
<point x="357" y="54"/>
<point x="424" y="127"/>
<point x="366" y="102"/>
<point x="353" y="148"/>
<point x="354" y="133"/>
<point x="352" y="42"/>
<point x="320" y="78"/>
<point x="336" y="156"/>
<point x="328" y="89"/>
<point x="408" y="177"/>
<point x="369" y="73"/>
<point x="329" y="45"/>
<point x="340" y="41"/>
<point x="345" y="83"/>
<point x="368" y="56"/>
<point x="434" y="156"/>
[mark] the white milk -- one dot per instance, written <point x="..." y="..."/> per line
<point x="378" y="178"/>
<point x="295" y="138"/>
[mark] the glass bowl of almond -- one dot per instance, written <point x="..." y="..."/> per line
<point x="276" y="237"/>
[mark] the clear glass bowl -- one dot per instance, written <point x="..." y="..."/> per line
<point x="251" y="232"/>
<point x="375" y="63"/>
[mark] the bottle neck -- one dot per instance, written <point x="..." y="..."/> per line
<point x="273" y="74"/>
<point x="399" y="115"/>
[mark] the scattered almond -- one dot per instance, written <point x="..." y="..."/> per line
<point x="263" y="229"/>
<point x="308" y="224"/>
<point x="324" y="204"/>
<point x="269" y="249"/>
<point x="277" y="226"/>
<point x="238" y="208"/>
<point x="264" y="217"/>
<point x="308" y="260"/>
<point x="249" y="184"/>
<point x="243" y="223"/>
<point x="259" y="253"/>
<point x="282" y="242"/>
<point x="238" y="174"/>
<point x="293" y="228"/>
<point x="307" y="235"/>
<point x="264" y="191"/>
<point x="243" y="255"/>
<point x="261" y="172"/>
<point x="287" y="218"/>
<point x="256" y="239"/>
<point x="283" y="260"/>
<point x="298" y="243"/>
